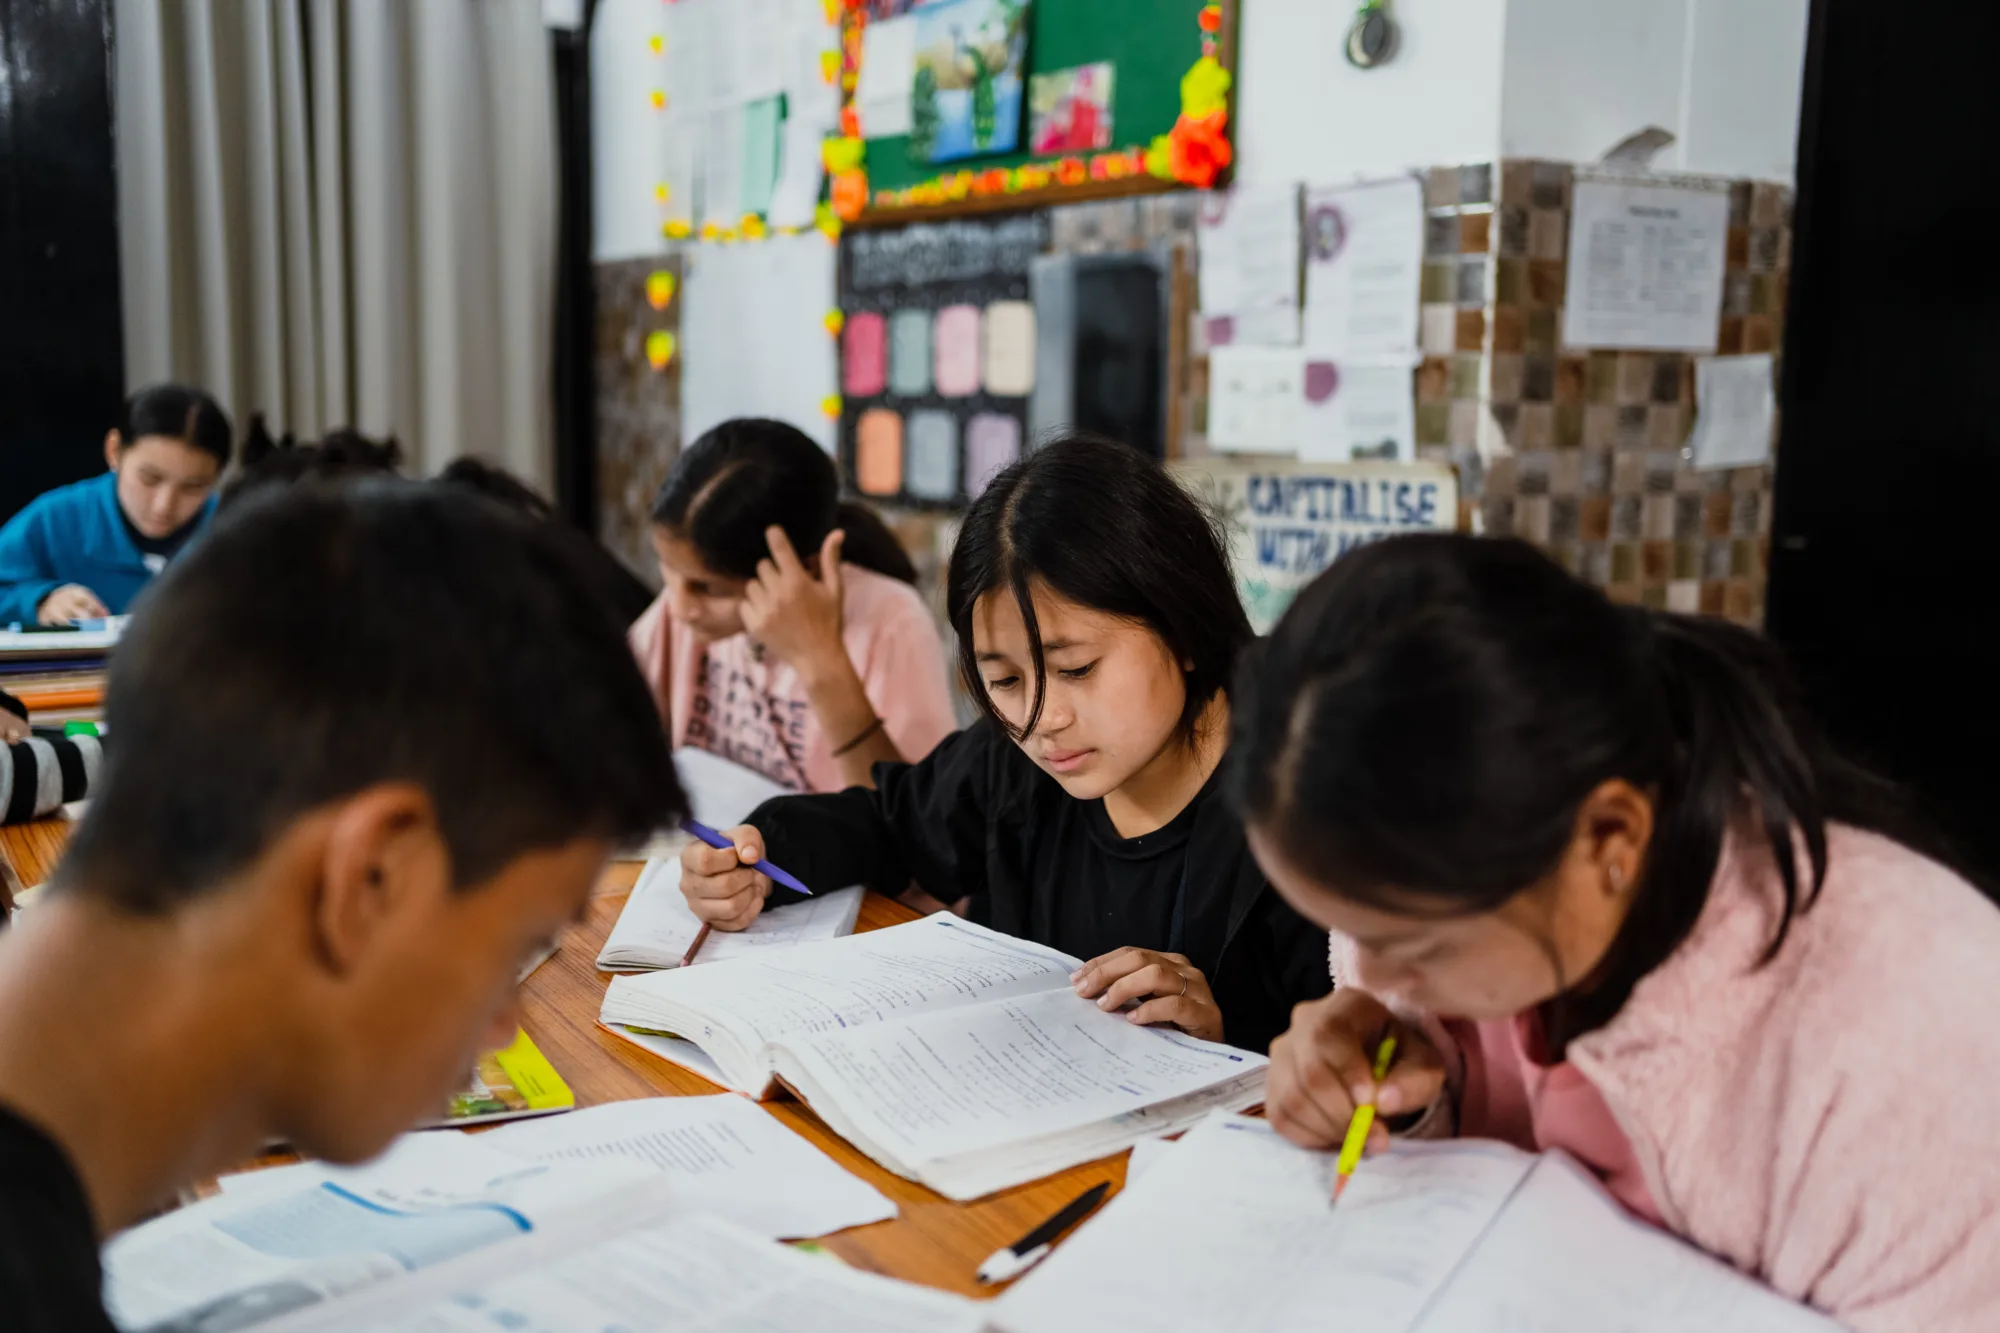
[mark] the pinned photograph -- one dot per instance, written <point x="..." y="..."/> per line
<point x="1070" y="110"/>
<point x="966" y="98"/>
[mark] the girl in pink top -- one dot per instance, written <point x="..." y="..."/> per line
<point x="1541" y="828"/>
<point x="788" y="637"/>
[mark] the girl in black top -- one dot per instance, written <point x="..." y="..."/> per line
<point x="1097" y="624"/>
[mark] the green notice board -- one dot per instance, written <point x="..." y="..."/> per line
<point x="1150" y="44"/>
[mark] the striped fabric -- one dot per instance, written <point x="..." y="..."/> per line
<point x="38" y="775"/>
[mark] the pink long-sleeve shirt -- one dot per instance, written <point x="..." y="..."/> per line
<point x="1823" y="1121"/>
<point x="735" y="700"/>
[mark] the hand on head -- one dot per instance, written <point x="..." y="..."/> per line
<point x="719" y="886"/>
<point x="1322" y="1069"/>
<point x="793" y="613"/>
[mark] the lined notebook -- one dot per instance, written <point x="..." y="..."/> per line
<point x="721" y="794"/>
<point x="656" y="928"/>
<point x="955" y="1056"/>
<point x="1231" y="1228"/>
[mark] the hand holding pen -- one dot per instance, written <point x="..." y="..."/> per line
<point x="1323" y="1071"/>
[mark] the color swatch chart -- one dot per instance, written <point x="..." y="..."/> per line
<point x="937" y="356"/>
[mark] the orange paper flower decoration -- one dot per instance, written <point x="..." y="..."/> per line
<point x="1199" y="148"/>
<point x="850" y="194"/>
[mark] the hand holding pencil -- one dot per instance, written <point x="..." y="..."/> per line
<point x="1323" y="1071"/>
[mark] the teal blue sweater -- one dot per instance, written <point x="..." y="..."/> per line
<point x="74" y="534"/>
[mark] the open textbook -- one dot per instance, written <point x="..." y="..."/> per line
<point x="657" y="927"/>
<point x="1231" y="1228"/>
<point x="721" y="794"/>
<point x="951" y="1054"/>
<point x="295" y="1236"/>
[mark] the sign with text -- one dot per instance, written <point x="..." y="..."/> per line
<point x="1288" y="521"/>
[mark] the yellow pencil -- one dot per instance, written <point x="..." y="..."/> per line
<point x="1364" y="1120"/>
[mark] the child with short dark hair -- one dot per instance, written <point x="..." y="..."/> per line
<point x="85" y="550"/>
<point x="1097" y="625"/>
<point x="354" y="725"/>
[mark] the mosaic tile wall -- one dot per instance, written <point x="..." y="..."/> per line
<point x="1581" y="452"/>
<point x="638" y="408"/>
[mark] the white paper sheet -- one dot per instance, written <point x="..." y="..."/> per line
<point x="294" y="1235"/>
<point x="657" y="927"/>
<point x="724" y="1154"/>
<point x="1147" y="1154"/>
<point x="801" y="169"/>
<point x="1249" y="249"/>
<point x="753" y="332"/>
<point x="722" y="167"/>
<point x="1645" y="266"/>
<point x="1364" y="247"/>
<point x="1256" y="399"/>
<point x="944" y="1084"/>
<point x="888" y="69"/>
<point x="1363" y="409"/>
<point x="939" y="961"/>
<point x="1565" y="1259"/>
<point x="1735" y="409"/>
<point x="758" y="32"/>
<point x="689" y="1274"/>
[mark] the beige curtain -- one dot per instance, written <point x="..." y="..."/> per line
<point x="343" y="212"/>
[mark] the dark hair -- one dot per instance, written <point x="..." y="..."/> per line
<point x="285" y="460"/>
<point x="747" y="475"/>
<point x="1105" y="527"/>
<point x="178" y="412"/>
<point x="1429" y="715"/>
<point x="324" y="639"/>
<point x="498" y="484"/>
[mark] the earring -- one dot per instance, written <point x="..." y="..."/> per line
<point x="1616" y="873"/>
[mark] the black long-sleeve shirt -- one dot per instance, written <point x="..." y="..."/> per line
<point x="979" y="818"/>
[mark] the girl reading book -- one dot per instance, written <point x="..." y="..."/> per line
<point x="788" y="637"/>
<point x="1097" y="624"/>
<point x="1599" y="876"/>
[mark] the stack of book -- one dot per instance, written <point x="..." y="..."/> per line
<point x="58" y="673"/>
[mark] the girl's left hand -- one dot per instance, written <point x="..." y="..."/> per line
<point x="794" y="615"/>
<point x="1178" y="992"/>
<point x="13" y="727"/>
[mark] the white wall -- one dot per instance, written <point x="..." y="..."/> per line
<point x="1722" y="75"/>
<point x="625" y="130"/>
<point x="1303" y="113"/>
<point x="1746" y="68"/>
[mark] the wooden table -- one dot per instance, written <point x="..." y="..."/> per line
<point x="934" y="1241"/>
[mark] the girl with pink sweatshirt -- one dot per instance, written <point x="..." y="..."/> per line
<point x="788" y="637"/>
<point x="1541" y="830"/>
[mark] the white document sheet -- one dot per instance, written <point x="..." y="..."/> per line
<point x="1256" y="399"/>
<point x="685" y="1274"/>
<point x="726" y="1156"/>
<point x="888" y="71"/>
<point x="963" y="1080"/>
<point x="1566" y="1259"/>
<point x="657" y="927"/>
<point x="295" y="1236"/>
<point x="825" y="987"/>
<point x="1249" y="243"/>
<point x="1364" y="249"/>
<point x="800" y="169"/>
<point x="722" y="167"/>
<point x="754" y="333"/>
<point x="1645" y="266"/>
<point x="1232" y="1229"/>
<point x="1735" y="411"/>
<point x="1358" y="410"/>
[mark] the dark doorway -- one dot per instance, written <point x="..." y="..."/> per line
<point x="61" y="350"/>
<point x="1884" y="563"/>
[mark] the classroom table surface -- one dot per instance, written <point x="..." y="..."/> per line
<point x="933" y="1240"/>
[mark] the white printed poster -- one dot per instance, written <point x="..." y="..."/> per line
<point x="1645" y="266"/>
<point x="1364" y="268"/>
<point x="1288" y="521"/>
<point x="1248" y="240"/>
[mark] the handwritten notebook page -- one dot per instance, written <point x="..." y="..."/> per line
<point x="1231" y="1229"/>
<point x="657" y="927"/>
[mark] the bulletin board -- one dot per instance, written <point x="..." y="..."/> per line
<point x="1171" y="63"/>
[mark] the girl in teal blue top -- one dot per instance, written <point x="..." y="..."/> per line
<point x="85" y="550"/>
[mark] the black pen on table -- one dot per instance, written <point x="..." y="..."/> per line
<point x="1008" y="1264"/>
